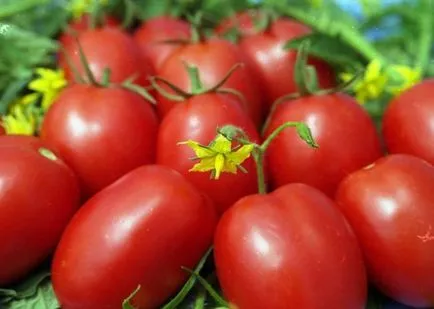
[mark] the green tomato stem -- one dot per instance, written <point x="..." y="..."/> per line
<point x="426" y="37"/>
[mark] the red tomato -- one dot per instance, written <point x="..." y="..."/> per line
<point x="2" y="130"/>
<point x="82" y="25"/>
<point x="38" y="196"/>
<point x="140" y="230"/>
<point x="150" y="35"/>
<point x="108" y="48"/>
<point x="289" y="249"/>
<point x="214" y="59"/>
<point x="345" y="133"/>
<point x="102" y="133"/>
<point x="198" y="119"/>
<point x="407" y="122"/>
<point x="389" y="205"/>
<point x="274" y="64"/>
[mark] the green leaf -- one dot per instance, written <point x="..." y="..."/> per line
<point x="126" y="304"/>
<point x="330" y="48"/>
<point x="36" y="292"/>
<point x="306" y="134"/>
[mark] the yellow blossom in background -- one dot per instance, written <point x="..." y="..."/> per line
<point x="372" y="85"/>
<point x="80" y="7"/>
<point x="48" y="84"/>
<point x="19" y="120"/>
<point x="408" y="78"/>
<point x="219" y="156"/>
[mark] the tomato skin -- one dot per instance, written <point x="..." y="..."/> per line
<point x="274" y="64"/>
<point x="345" y="133"/>
<point x="198" y="119"/>
<point x="155" y="30"/>
<point x="2" y="130"/>
<point x="38" y="197"/>
<point x="295" y="241"/>
<point x="139" y="230"/>
<point x="102" y="133"/>
<point x="83" y="24"/>
<point x="389" y="205"/>
<point x="111" y="48"/>
<point x="407" y="122"/>
<point x="214" y="58"/>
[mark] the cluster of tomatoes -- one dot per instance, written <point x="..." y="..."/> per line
<point x="107" y="187"/>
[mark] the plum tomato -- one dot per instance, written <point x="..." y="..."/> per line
<point x="108" y="48"/>
<point x="291" y="248"/>
<point x="38" y="196"/>
<point x="198" y="119"/>
<point x="101" y="133"/>
<point x="407" y="122"/>
<point x="214" y="58"/>
<point x="389" y="206"/>
<point x="150" y="36"/>
<point x="140" y="230"/>
<point x="272" y="62"/>
<point x="345" y="133"/>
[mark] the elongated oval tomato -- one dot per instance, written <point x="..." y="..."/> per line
<point x="214" y="58"/>
<point x="151" y="35"/>
<point x="346" y="136"/>
<point x="272" y="62"/>
<point x="108" y="48"/>
<point x="389" y="205"/>
<point x="140" y="230"/>
<point x="407" y="122"/>
<point x="38" y="196"/>
<point x="101" y="133"/>
<point x="289" y="249"/>
<point x="198" y="119"/>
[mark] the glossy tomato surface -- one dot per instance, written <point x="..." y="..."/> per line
<point x="110" y="48"/>
<point x="273" y="63"/>
<point x="198" y="120"/>
<point x="38" y="196"/>
<point x="407" y="122"/>
<point x="82" y="24"/>
<point x="289" y="249"/>
<point x="151" y="35"/>
<point x="214" y="59"/>
<point x="345" y="133"/>
<point x="389" y="206"/>
<point x="140" y="230"/>
<point x="101" y="133"/>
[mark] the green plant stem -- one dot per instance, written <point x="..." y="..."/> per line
<point x="19" y="6"/>
<point x="258" y="156"/>
<point x="426" y="36"/>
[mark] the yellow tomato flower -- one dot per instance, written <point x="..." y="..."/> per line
<point x="408" y="78"/>
<point x="80" y="7"/>
<point x="219" y="156"/>
<point x="48" y="84"/>
<point x="19" y="120"/>
<point x="372" y="85"/>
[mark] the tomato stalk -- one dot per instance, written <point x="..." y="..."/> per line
<point x="259" y="150"/>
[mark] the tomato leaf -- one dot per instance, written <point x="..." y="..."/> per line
<point x="36" y="292"/>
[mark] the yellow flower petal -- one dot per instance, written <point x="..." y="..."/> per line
<point x="205" y="165"/>
<point x="199" y="150"/>
<point x="239" y="156"/>
<point x="219" y="165"/>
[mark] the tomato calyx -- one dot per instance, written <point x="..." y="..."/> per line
<point x="196" y="85"/>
